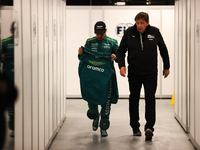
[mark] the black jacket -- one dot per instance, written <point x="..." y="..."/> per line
<point x="142" y="61"/>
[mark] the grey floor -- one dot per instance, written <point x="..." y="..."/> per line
<point x="77" y="134"/>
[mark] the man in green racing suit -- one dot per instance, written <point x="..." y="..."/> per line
<point x="101" y="43"/>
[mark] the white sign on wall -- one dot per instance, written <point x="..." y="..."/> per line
<point x="121" y="28"/>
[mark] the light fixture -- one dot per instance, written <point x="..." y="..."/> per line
<point x="120" y="3"/>
<point x="148" y="2"/>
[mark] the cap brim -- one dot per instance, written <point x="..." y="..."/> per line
<point x="100" y="31"/>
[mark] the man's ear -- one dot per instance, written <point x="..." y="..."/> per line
<point x="106" y="31"/>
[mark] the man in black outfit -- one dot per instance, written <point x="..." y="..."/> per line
<point x="141" y="41"/>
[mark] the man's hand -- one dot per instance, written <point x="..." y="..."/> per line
<point x="113" y="57"/>
<point x="80" y="50"/>
<point x="123" y="71"/>
<point x="165" y="73"/>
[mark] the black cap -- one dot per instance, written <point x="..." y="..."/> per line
<point x="99" y="27"/>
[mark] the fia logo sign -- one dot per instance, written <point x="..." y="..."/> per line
<point x="121" y="28"/>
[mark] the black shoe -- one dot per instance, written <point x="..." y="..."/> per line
<point x="12" y="134"/>
<point x="137" y="132"/>
<point x="148" y="134"/>
<point x="95" y="124"/>
<point x="104" y="133"/>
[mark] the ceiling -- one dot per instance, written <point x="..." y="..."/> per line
<point x="112" y="2"/>
<point x="105" y="2"/>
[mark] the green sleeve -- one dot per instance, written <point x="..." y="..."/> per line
<point x="87" y="44"/>
<point x="115" y="47"/>
<point x="3" y="48"/>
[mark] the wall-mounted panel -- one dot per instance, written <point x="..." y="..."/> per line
<point x="192" y="70"/>
<point x="96" y="14"/>
<point x="50" y="65"/>
<point x="197" y="73"/>
<point x="58" y="59"/>
<point x="176" y="47"/>
<point x="181" y="64"/>
<point x="64" y="83"/>
<point x="184" y="62"/>
<point x="38" y="115"/>
<point x="46" y="70"/>
<point x="41" y="76"/>
<point x="54" y="64"/>
<point x="27" y="74"/>
<point x="168" y="27"/>
<point x="77" y="33"/>
<point x="19" y="138"/>
<point x="187" y="81"/>
<point x="34" y="67"/>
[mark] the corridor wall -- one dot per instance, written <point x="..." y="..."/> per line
<point x="80" y="27"/>
<point x="40" y="71"/>
<point x="187" y="62"/>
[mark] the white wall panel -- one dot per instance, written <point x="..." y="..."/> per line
<point x="176" y="47"/>
<point x="62" y="25"/>
<point x="192" y="70"/>
<point x="50" y="63"/>
<point x="58" y="59"/>
<point x="180" y="58"/>
<point x="187" y="103"/>
<point x="34" y="67"/>
<point x="46" y="70"/>
<point x="64" y="58"/>
<point x="27" y="74"/>
<point x="77" y="33"/>
<point x="38" y="76"/>
<point x="41" y="77"/>
<point x="197" y="73"/>
<point x="19" y="138"/>
<point x="54" y="64"/>
<point x="167" y="28"/>
<point x="184" y="61"/>
<point x="96" y="14"/>
<point x="181" y="64"/>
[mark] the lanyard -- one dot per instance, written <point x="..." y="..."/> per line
<point x="141" y="41"/>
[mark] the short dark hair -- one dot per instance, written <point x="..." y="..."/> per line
<point x="142" y="15"/>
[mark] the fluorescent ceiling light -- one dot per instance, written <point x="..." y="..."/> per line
<point x="120" y="3"/>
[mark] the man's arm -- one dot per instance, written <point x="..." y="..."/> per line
<point x="121" y="54"/>
<point x="164" y="54"/>
<point x="114" y="51"/>
<point x="80" y="50"/>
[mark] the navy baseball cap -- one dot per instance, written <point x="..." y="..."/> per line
<point x="99" y="27"/>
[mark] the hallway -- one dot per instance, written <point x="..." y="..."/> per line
<point x="77" y="134"/>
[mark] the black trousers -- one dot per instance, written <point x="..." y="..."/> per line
<point x="149" y="81"/>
